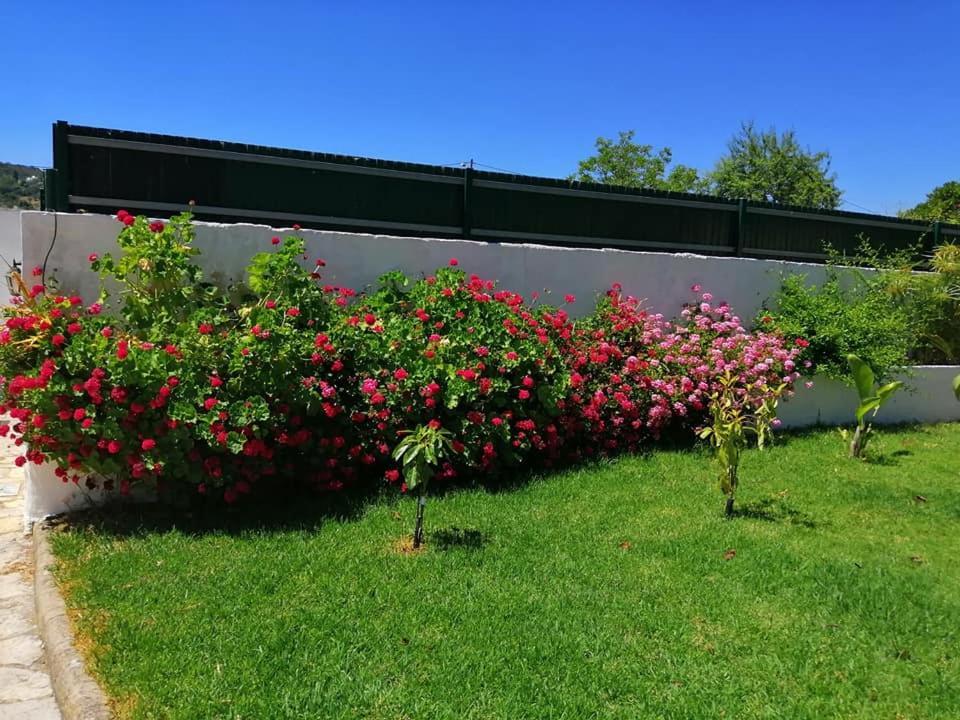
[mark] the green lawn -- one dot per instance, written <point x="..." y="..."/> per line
<point x="610" y="591"/>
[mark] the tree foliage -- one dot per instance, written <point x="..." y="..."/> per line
<point x="20" y="186"/>
<point x="942" y="203"/>
<point x="629" y="164"/>
<point x="762" y="165"/>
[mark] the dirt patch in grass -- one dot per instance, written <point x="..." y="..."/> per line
<point x="404" y="546"/>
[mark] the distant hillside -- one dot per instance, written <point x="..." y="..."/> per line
<point x="20" y="186"/>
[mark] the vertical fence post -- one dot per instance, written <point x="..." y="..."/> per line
<point x="936" y="233"/>
<point x="467" y="199"/>
<point x="61" y="167"/>
<point x="741" y="221"/>
<point x="48" y="196"/>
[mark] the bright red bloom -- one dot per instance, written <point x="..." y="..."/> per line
<point x="148" y="444"/>
<point x="113" y="447"/>
<point x="274" y="240"/>
<point x="293" y="312"/>
<point x="454" y="262"/>
<point x="92" y="257"/>
<point x="156" y="226"/>
<point x="205" y="328"/>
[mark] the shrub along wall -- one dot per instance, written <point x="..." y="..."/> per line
<point x="188" y="385"/>
<point x="294" y="376"/>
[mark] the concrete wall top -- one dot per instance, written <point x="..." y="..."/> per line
<point x="357" y="260"/>
<point x="10" y="248"/>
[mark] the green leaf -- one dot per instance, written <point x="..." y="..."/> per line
<point x="887" y="390"/>
<point x="956" y="386"/>
<point x="866" y="406"/>
<point x="862" y="377"/>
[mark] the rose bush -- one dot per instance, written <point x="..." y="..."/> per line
<point x="168" y="378"/>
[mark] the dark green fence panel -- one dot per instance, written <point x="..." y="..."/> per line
<point x="102" y="170"/>
<point x="770" y="232"/>
<point x="516" y="209"/>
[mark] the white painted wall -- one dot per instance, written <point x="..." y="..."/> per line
<point x="356" y="260"/>
<point x="928" y="397"/>
<point x="10" y="248"/>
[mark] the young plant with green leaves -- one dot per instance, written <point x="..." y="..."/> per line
<point x="872" y="398"/>
<point x="738" y="411"/>
<point x="419" y="454"/>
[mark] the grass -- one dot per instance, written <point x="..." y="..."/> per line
<point x="612" y="591"/>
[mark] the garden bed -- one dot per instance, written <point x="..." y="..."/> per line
<point x="616" y="590"/>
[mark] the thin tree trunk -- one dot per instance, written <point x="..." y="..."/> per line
<point x="418" y="527"/>
<point x="729" y="509"/>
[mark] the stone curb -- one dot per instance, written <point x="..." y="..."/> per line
<point x="77" y="694"/>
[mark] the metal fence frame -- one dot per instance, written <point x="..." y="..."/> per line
<point x="102" y="170"/>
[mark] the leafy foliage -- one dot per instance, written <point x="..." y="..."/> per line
<point x="175" y="382"/>
<point x="942" y="203"/>
<point x="626" y="163"/>
<point x="766" y="166"/>
<point x="738" y="410"/>
<point x="872" y="398"/>
<point x="20" y="186"/>
<point x="850" y="313"/>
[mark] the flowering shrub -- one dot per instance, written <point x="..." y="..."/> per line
<point x="636" y="375"/>
<point x="176" y="381"/>
<point x="459" y="352"/>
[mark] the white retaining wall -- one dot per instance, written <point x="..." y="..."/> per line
<point x="10" y="249"/>
<point x="356" y="260"/>
<point x="928" y="397"/>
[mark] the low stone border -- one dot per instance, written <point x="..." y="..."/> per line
<point x="78" y="695"/>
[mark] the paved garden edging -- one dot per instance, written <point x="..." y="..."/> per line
<point x="78" y="695"/>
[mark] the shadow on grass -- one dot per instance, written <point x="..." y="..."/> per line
<point x="298" y="509"/>
<point x="883" y="459"/>
<point x="784" y="438"/>
<point x="454" y="537"/>
<point x="775" y="510"/>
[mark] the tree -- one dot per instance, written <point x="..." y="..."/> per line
<point x="762" y="165"/>
<point x="624" y="162"/>
<point x="942" y="203"/>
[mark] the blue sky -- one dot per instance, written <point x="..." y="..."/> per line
<point x="521" y="86"/>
